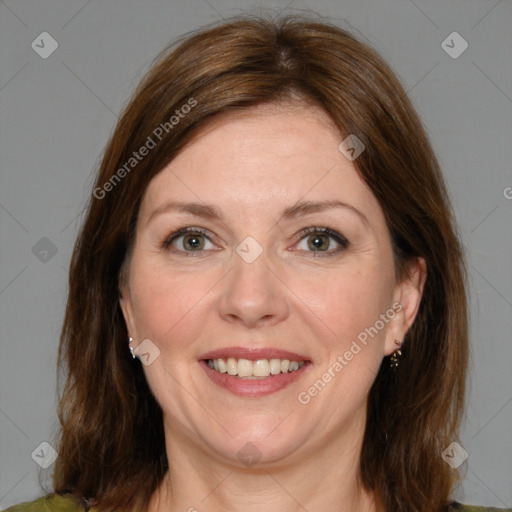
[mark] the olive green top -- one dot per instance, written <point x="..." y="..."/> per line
<point x="58" y="503"/>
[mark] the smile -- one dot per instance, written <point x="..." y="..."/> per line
<point x="259" y="369"/>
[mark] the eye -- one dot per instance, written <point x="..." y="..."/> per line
<point x="188" y="240"/>
<point x="314" y="240"/>
<point x="321" y="240"/>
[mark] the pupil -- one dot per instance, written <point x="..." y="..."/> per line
<point x="318" y="242"/>
<point x="193" y="241"/>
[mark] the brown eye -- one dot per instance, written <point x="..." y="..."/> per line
<point x="188" y="240"/>
<point x="322" y="240"/>
<point x="193" y="242"/>
<point x="318" y="242"/>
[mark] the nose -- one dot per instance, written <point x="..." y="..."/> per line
<point x="253" y="295"/>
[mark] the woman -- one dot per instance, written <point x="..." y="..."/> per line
<point x="267" y="305"/>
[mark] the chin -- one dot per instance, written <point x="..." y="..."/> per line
<point x="257" y="442"/>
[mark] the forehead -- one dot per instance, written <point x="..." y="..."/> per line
<point x="262" y="159"/>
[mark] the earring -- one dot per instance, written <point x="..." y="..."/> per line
<point x="131" y="348"/>
<point x="397" y="354"/>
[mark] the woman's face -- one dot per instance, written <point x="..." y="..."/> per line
<point x="287" y="257"/>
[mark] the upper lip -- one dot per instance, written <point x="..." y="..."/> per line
<point x="253" y="354"/>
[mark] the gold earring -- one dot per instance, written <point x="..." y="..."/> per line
<point x="397" y="354"/>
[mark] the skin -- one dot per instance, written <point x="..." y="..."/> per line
<point x="252" y="166"/>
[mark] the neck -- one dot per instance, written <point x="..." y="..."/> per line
<point x="325" y="479"/>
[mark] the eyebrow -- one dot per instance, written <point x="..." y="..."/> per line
<point x="301" y="209"/>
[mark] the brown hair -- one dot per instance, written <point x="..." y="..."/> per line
<point x="111" y="445"/>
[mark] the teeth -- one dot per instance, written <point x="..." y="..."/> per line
<point x="275" y="366"/>
<point x="232" y="366"/>
<point x="222" y="366"/>
<point x="260" y="368"/>
<point x="246" y="369"/>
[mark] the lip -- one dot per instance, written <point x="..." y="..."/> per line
<point x="253" y="387"/>
<point x="253" y="354"/>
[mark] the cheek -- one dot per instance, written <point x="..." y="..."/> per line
<point x="167" y="305"/>
<point x="354" y="305"/>
<point x="352" y="300"/>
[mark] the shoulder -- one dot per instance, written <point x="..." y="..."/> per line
<point x="67" y="503"/>
<point x="457" y="507"/>
<point x="49" y="503"/>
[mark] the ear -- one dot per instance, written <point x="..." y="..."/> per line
<point x="406" y="302"/>
<point x="125" y="301"/>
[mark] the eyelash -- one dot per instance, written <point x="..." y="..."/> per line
<point x="341" y="240"/>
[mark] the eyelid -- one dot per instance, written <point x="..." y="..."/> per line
<point x="338" y="237"/>
<point x="321" y="229"/>
<point x="166" y="244"/>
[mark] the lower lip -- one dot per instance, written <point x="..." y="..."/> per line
<point x="254" y="387"/>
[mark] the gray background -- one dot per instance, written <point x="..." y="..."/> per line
<point x="57" y="114"/>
